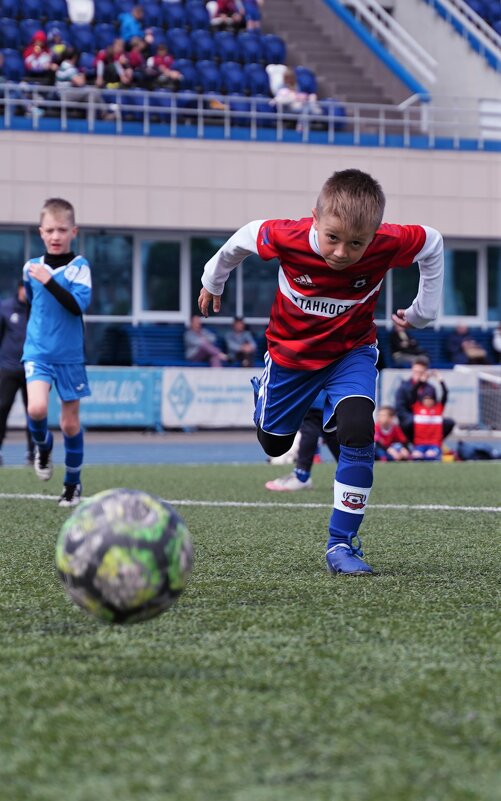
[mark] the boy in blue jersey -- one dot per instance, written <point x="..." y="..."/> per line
<point x="58" y="290"/>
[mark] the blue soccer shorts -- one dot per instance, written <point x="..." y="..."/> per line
<point x="70" y="380"/>
<point x="285" y="395"/>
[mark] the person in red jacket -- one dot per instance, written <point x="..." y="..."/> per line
<point x="428" y="421"/>
<point x="391" y="443"/>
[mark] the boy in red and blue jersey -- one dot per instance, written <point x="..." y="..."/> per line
<point x="322" y="335"/>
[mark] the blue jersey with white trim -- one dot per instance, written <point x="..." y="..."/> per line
<point x="54" y="335"/>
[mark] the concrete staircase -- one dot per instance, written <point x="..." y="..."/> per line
<point x="318" y="39"/>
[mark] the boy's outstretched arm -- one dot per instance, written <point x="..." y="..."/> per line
<point x="218" y="268"/>
<point x="426" y="305"/>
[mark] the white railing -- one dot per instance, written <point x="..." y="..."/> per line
<point x="254" y="118"/>
<point x="395" y="38"/>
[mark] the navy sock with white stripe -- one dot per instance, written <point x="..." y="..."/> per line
<point x="73" y="457"/>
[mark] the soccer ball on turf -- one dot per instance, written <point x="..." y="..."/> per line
<point x="124" y="555"/>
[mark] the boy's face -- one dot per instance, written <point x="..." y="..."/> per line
<point x="57" y="232"/>
<point x="339" y="245"/>
<point x="384" y="417"/>
<point x="428" y="401"/>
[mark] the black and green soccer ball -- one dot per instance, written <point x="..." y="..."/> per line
<point x="124" y="556"/>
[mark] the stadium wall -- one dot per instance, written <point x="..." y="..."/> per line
<point x="207" y="185"/>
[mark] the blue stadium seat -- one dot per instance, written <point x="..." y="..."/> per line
<point x="31" y="9"/>
<point x="104" y="11"/>
<point x="202" y="44"/>
<point x="104" y="34"/>
<point x="250" y="47"/>
<point x="179" y="43"/>
<point x="57" y="9"/>
<point x="256" y="79"/>
<point x="152" y="15"/>
<point x="158" y="35"/>
<point x="86" y="63"/>
<point x="13" y="65"/>
<point x="189" y="73"/>
<point x="62" y="27"/>
<point x="173" y="15"/>
<point x="209" y="76"/>
<point x="225" y="43"/>
<point x="82" y="37"/>
<point x="9" y="9"/>
<point x="27" y="27"/>
<point x="275" y="51"/>
<point x="232" y="78"/>
<point x="123" y="5"/>
<point x="10" y="36"/>
<point x="306" y="80"/>
<point x="197" y="15"/>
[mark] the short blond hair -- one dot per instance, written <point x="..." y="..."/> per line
<point x="57" y="205"/>
<point x="353" y="196"/>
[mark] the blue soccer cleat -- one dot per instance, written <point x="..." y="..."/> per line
<point x="345" y="558"/>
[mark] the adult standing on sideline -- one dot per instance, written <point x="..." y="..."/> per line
<point x="13" y="321"/>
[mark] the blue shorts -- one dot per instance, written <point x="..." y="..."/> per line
<point x="70" y="380"/>
<point x="285" y="395"/>
<point x="430" y="453"/>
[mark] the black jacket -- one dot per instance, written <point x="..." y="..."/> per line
<point x="13" y="321"/>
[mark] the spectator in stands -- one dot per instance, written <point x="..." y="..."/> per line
<point x="404" y="348"/>
<point x="13" y="321"/>
<point x="391" y="443"/>
<point x="112" y="67"/>
<point x="38" y="60"/>
<point x="428" y="421"/>
<point x="240" y="344"/>
<point x="71" y="84"/>
<point x="310" y="431"/>
<point x="131" y="23"/>
<point x="201" y="345"/>
<point x="56" y="46"/>
<point x="291" y="100"/>
<point x="159" y="70"/>
<point x="252" y="14"/>
<point x="463" y="349"/>
<point x="405" y="397"/>
<point x="226" y="14"/>
<point x="135" y="55"/>
<point x="496" y="343"/>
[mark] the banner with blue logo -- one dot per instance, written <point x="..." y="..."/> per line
<point x="207" y="398"/>
<point x="121" y="397"/>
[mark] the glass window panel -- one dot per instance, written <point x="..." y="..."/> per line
<point x="494" y="283"/>
<point x="460" y="284"/>
<point x="202" y="249"/>
<point x="110" y="258"/>
<point x="11" y="261"/>
<point x="161" y="275"/>
<point x="405" y="286"/>
<point x="107" y="343"/>
<point x="260" y="285"/>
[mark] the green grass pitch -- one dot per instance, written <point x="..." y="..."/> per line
<point x="270" y="680"/>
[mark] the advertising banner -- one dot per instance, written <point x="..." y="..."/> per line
<point x="207" y="397"/>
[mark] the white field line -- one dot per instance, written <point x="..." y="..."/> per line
<point x="425" y="507"/>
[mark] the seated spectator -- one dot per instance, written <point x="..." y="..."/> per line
<point x="405" y="397"/>
<point x="112" y="67"/>
<point x="38" y="60"/>
<point x="463" y="349"/>
<point x="240" y="344"/>
<point x="391" y="443"/>
<point x="290" y="100"/>
<point x="131" y="23"/>
<point x="159" y="70"/>
<point x="200" y="345"/>
<point x="404" y="348"/>
<point x="136" y="59"/>
<point x="428" y="422"/>
<point x="226" y="14"/>
<point x="72" y="85"/>
<point x="56" y="46"/>
<point x="252" y="14"/>
<point x="496" y="343"/>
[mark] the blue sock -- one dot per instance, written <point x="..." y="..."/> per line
<point x="352" y="486"/>
<point x="40" y="434"/>
<point x="302" y="475"/>
<point x="73" y="457"/>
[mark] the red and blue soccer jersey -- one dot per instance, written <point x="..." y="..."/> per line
<point x="428" y="423"/>
<point x="319" y="314"/>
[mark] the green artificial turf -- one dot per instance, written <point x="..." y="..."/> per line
<point x="270" y="680"/>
